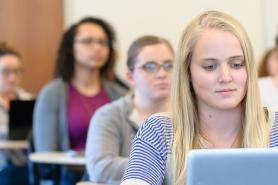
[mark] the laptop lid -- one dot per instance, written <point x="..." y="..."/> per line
<point x="20" y="119"/>
<point x="232" y="167"/>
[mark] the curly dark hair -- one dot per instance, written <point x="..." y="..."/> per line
<point x="65" y="59"/>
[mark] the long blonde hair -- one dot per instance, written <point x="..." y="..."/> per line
<point x="183" y="103"/>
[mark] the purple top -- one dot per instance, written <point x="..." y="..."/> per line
<point x="80" y="110"/>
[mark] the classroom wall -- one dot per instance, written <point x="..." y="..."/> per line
<point x="168" y="18"/>
<point x="270" y="22"/>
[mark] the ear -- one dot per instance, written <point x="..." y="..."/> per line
<point x="130" y="78"/>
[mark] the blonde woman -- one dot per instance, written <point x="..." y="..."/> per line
<point x="215" y="103"/>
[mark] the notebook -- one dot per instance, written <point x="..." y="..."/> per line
<point x="20" y="119"/>
<point x="233" y="167"/>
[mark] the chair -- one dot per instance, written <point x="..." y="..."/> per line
<point x="39" y="172"/>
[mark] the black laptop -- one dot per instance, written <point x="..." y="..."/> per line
<point x="20" y="119"/>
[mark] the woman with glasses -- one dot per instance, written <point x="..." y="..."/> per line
<point x="11" y="162"/>
<point x="150" y="62"/>
<point x="215" y="103"/>
<point x="85" y="81"/>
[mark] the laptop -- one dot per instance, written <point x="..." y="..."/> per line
<point x="20" y="119"/>
<point x="232" y="167"/>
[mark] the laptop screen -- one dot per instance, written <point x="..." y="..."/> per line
<point x="20" y="119"/>
<point x="232" y="167"/>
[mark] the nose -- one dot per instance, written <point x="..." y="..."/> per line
<point x="95" y="46"/>
<point x="225" y="74"/>
<point x="161" y="73"/>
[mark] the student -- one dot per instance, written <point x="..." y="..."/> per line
<point x="268" y="82"/>
<point x="11" y="161"/>
<point x="85" y="81"/>
<point x="215" y="103"/>
<point x="150" y="61"/>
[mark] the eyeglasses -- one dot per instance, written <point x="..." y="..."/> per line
<point x="90" y="40"/>
<point x="152" y="67"/>
<point x="7" y="72"/>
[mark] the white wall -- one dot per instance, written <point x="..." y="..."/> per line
<point x="270" y="22"/>
<point x="168" y="18"/>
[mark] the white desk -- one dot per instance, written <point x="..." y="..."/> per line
<point x="16" y="144"/>
<point x="60" y="158"/>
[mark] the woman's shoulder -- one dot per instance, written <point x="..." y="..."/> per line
<point x="56" y="85"/>
<point x="23" y="94"/>
<point x="272" y="115"/>
<point x="265" y="79"/>
<point x="265" y="82"/>
<point x="157" y="129"/>
<point x="159" y="122"/>
<point x="113" y="89"/>
<point x="53" y="91"/>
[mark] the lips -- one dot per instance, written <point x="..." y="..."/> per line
<point x="225" y="92"/>
<point x="96" y="58"/>
<point x="163" y="85"/>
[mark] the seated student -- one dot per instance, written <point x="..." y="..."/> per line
<point x="150" y="61"/>
<point x="12" y="161"/>
<point x="85" y="81"/>
<point x="268" y="81"/>
<point x="215" y="103"/>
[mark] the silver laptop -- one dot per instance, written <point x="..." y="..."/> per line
<point x="233" y="167"/>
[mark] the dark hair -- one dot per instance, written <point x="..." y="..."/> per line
<point x="263" y="64"/>
<point x="65" y="59"/>
<point x="5" y="50"/>
<point x="140" y="43"/>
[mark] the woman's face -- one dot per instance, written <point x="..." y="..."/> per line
<point x="152" y="72"/>
<point x="218" y="72"/>
<point x="10" y="73"/>
<point x="91" y="46"/>
<point x="272" y="63"/>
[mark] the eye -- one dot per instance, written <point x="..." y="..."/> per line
<point x="103" y="42"/>
<point x="86" y="41"/>
<point x="167" y="66"/>
<point x="237" y="65"/>
<point x="150" y="67"/>
<point x="210" y="67"/>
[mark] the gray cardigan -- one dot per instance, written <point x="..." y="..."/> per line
<point x="50" y="126"/>
<point x="109" y="141"/>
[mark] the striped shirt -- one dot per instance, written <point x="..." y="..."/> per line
<point x="152" y="146"/>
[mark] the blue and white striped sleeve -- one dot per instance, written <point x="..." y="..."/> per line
<point x="273" y="141"/>
<point x="149" y="151"/>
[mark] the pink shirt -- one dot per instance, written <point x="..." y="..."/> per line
<point x="79" y="112"/>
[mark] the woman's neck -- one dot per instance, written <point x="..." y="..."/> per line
<point x="87" y="81"/>
<point x="145" y="108"/>
<point x="275" y="80"/>
<point x="5" y="98"/>
<point x="221" y="128"/>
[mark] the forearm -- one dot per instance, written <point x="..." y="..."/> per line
<point x="106" y="169"/>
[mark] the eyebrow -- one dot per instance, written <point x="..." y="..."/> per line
<point x="168" y="60"/>
<point x="237" y="57"/>
<point x="230" y="58"/>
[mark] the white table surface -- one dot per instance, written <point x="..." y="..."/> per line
<point x="13" y="144"/>
<point x="61" y="158"/>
